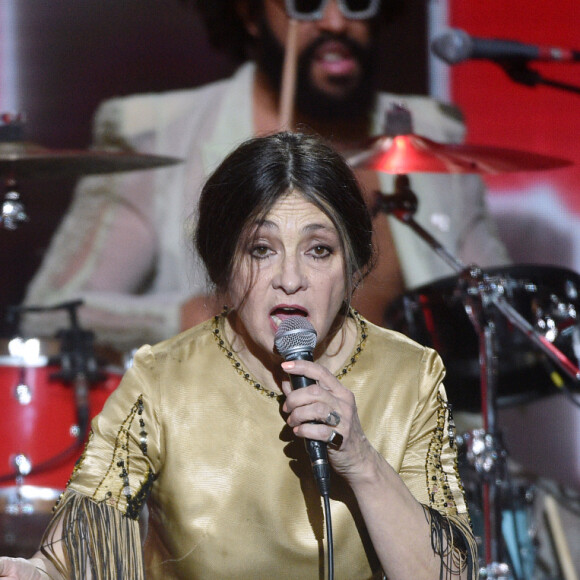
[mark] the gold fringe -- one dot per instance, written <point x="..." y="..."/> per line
<point x="92" y="539"/>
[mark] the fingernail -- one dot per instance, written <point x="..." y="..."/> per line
<point x="288" y="365"/>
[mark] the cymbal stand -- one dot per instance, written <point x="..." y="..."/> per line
<point x="403" y="204"/>
<point x="12" y="212"/>
<point x="479" y="293"/>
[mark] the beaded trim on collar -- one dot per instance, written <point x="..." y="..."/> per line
<point x="217" y="331"/>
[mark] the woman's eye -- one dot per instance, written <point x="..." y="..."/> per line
<point x="260" y="251"/>
<point x="321" y="251"/>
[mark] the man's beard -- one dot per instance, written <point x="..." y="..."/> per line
<point x="311" y="101"/>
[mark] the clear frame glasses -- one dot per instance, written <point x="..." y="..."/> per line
<point x="314" y="9"/>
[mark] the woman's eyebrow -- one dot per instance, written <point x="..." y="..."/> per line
<point x="316" y="227"/>
<point x="307" y="228"/>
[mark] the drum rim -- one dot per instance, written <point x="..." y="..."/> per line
<point x="47" y="348"/>
<point x="20" y="495"/>
<point x="514" y="271"/>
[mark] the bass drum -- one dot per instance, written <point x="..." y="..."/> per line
<point x="546" y="296"/>
<point x="40" y="437"/>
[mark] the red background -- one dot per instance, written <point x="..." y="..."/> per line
<point x="502" y="112"/>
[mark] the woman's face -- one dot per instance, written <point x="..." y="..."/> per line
<point x="293" y="265"/>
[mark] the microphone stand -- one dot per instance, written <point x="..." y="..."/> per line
<point x="520" y="72"/>
<point x="479" y="294"/>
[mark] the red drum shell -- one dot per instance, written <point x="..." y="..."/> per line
<point x="40" y="421"/>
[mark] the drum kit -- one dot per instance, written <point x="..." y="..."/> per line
<point x="506" y="335"/>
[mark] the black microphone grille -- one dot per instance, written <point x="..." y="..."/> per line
<point x="295" y="334"/>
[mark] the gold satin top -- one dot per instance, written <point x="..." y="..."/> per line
<point x="231" y="492"/>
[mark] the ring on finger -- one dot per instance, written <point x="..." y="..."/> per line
<point x="332" y="419"/>
<point x="335" y="439"/>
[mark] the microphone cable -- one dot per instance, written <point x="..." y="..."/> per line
<point x="329" y="538"/>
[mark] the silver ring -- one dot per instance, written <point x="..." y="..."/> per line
<point x="332" y="419"/>
<point x="335" y="439"/>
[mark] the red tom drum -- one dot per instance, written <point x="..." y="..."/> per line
<point x="39" y="428"/>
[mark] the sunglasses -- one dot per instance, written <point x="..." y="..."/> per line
<point x="314" y="9"/>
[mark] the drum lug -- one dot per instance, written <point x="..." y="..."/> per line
<point x="484" y="452"/>
<point x="23" y="394"/>
<point x="496" y="571"/>
<point x="22" y="464"/>
<point x="19" y="507"/>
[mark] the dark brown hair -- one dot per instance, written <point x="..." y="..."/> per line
<point x="247" y="184"/>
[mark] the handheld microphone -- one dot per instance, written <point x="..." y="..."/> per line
<point x="295" y="340"/>
<point x="456" y="46"/>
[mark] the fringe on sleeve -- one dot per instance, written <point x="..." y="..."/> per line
<point x="453" y="541"/>
<point x="88" y="539"/>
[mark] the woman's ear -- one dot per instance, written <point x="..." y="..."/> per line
<point x="247" y="13"/>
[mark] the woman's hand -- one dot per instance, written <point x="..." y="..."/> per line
<point x="21" y="569"/>
<point x="327" y="411"/>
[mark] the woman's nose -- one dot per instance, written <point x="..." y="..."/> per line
<point x="289" y="276"/>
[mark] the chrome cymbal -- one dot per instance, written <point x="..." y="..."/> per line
<point x="411" y="153"/>
<point x="21" y="160"/>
